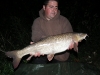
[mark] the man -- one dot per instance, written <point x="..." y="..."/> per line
<point x="50" y="23"/>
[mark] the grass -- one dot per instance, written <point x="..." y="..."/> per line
<point x="13" y="38"/>
<point x="6" y="67"/>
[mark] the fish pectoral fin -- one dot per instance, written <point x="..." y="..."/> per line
<point x="76" y="47"/>
<point x="50" y="57"/>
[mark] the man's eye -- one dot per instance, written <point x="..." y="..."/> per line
<point x="56" y="7"/>
<point x="51" y="6"/>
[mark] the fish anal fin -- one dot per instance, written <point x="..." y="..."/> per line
<point x="29" y="57"/>
<point x="50" y="57"/>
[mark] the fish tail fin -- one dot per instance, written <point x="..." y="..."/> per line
<point x="16" y="59"/>
<point x="16" y="62"/>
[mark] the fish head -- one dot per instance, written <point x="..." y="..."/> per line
<point x="81" y="36"/>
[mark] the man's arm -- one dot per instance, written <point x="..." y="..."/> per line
<point x="67" y="27"/>
<point x="36" y="31"/>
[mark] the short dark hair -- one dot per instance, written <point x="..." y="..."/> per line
<point x="46" y="1"/>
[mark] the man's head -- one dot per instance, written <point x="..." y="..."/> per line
<point x="50" y="8"/>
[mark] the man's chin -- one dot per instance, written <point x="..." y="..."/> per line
<point x="52" y="17"/>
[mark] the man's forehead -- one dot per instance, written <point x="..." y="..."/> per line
<point x="53" y="3"/>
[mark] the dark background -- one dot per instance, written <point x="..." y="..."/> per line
<point x="17" y="16"/>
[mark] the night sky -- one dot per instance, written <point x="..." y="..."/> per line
<point x="26" y="8"/>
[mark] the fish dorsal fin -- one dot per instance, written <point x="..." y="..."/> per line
<point x="50" y="57"/>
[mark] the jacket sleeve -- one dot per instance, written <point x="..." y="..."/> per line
<point x="67" y="26"/>
<point x="36" y="31"/>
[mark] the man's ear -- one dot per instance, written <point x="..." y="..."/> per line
<point x="43" y="7"/>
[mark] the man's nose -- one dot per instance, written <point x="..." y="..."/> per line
<point x="54" y="9"/>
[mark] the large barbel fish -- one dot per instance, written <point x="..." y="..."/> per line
<point x="49" y="46"/>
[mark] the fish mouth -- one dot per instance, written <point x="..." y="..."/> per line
<point x="83" y="37"/>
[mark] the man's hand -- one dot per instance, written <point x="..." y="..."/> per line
<point x="31" y="42"/>
<point x="71" y="45"/>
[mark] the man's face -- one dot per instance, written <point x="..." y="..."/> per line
<point x="51" y="9"/>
